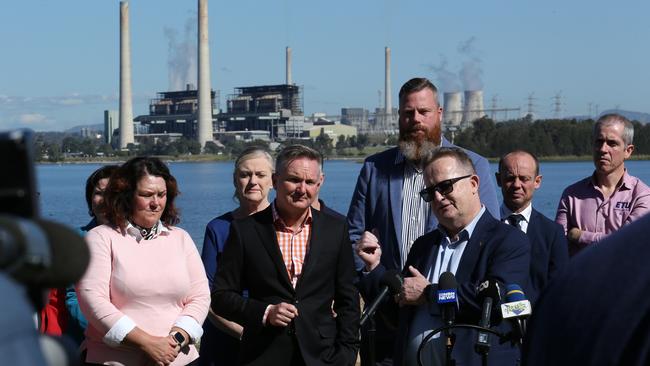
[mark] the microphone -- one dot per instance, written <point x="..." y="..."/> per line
<point x="517" y="308"/>
<point x="40" y="253"/>
<point x="448" y="297"/>
<point x="391" y="283"/>
<point x="489" y="293"/>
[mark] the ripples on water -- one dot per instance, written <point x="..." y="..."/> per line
<point x="207" y="189"/>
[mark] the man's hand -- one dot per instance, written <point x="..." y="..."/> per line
<point x="369" y="250"/>
<point x="413" y="288"/>
<point x="280" y="315"/>
<point x="574" y="235"/>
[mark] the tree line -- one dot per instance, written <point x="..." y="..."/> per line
<point x="544" y="138"/>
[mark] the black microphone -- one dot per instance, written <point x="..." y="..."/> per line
<point x="448" y="297"/>
<point x="40" y="253"/>
<point x="391" y="283"/>
<point x="516" y="308"/>
<point x="489" y="293"/>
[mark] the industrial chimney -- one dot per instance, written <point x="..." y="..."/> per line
<point x="204" y="119"/>
<point x="126" y="106"/>
<point x="388" y="107"/>
<point x="473" y="106"/>
<point x="452" y="111"/>
<point x="288" y="66"/>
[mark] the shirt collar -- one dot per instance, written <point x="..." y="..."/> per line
<point x="466" y="233"/>
<point x="279" y="222"/>
<point x="135" y="233"/>
<point x="625" y="183"/>
<point x="526" y="212"/>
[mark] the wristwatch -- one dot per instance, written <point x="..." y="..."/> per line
<point x="179" y="338"/>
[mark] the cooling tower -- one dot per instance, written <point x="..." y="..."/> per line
<point x="126" y="106"/>
<point x="452" y="110"/>
<point x="204" y="119"/>
<point x="473" y="106"/>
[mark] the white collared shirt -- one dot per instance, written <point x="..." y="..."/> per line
<point x="526" y="212"/>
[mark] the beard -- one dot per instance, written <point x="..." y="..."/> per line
<point x="417" y="147"/>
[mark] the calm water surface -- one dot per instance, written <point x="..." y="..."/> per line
<point x="207" y="190"/>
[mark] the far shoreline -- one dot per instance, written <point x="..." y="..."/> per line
<point x="210" y="158"/>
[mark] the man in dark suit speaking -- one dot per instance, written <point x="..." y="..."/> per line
<point x="471" y="244"/>
<point x="519" y="177"/>
<point x="297" y="267"/>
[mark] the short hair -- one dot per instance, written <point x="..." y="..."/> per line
<point x="458" y="154"/>
<point x="415" y="85"/>
<point x="120" y="193"/>
<point x="251" y="152"/>
<point x="613" y="118"/>
<point x="520" y="151"/>
<point x="293" y="152"/>
<point x="93" y="180"/>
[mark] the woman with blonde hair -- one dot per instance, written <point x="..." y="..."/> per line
<point x="252" y="181"/>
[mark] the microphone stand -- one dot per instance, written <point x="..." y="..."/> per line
<point x="428" y="337"/>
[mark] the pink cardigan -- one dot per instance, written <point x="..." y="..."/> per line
<point x="153" y="283"/>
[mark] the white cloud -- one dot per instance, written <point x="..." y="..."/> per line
<point x="32" y="118"/>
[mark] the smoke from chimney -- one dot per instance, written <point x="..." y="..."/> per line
<point x="181" y="55"/>
<point x="471" y="74"/>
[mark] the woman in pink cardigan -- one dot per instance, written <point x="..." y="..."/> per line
<point x="145" y="293"/>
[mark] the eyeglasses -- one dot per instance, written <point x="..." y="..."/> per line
<point x="444" y="188"/>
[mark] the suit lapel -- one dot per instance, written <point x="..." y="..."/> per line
<point x="395" y="190"/>
<point x="269" y="241"/>
<point x="316" y="243"/>
<point x="473" y="248"/>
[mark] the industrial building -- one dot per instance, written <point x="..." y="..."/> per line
<point x="175" y="112"/>
<point x="277" y="109"/>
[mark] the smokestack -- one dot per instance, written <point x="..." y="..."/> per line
<point x="288" y="65"/>
<point x="388" y="107"/>
<point x="473" y="106"/>
<point x="126" y="107"/>
<point x="452" y="111"/>
<point x="204" y="119"/>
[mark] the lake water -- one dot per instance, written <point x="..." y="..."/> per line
<point x="207" y="190"/>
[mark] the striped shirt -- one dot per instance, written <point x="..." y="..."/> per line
<point x="293" y="245"/>
<point x="415" y="212"/>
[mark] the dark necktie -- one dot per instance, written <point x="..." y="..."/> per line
<point x="515" y="219"/>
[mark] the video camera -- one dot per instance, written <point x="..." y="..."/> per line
<point x="37" y="253"/>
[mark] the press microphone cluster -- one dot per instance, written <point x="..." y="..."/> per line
<point x="517" y="309"/>
<point x="391" y="284"/>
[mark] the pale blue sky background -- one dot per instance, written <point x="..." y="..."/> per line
<point x="60" y="59"/>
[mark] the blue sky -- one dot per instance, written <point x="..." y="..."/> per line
<point x="60" y="60"/>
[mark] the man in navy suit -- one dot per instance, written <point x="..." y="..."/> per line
<point x="385" y="207"/>
<point x="597" y="311"/>
<point x="519" y="177"/>
<point x="470" y="243"/>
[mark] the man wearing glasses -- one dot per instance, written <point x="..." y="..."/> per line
<point x="468" y="242"/>
<point x="386" y="214"/>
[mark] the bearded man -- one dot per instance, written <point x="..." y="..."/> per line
<point x="386" y="213"/>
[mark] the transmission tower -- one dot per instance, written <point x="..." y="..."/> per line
<point x="531" y="104"/>
<point x="557" y="105"/>
<point x="494" y="107"/>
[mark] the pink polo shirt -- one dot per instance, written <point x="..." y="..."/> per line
<point x="583" y="206"/>
<point x="152" y="284"/>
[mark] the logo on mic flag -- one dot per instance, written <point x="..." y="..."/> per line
<point x="515" y="309"/>
<point x="446" y="296"/>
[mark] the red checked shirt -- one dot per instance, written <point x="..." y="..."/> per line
<point x="293" y="244"/>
